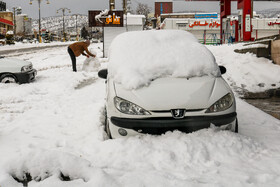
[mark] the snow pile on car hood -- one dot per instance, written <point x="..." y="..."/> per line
<point x="136" y="58"/>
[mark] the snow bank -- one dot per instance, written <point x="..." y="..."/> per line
<point x="136" y="58"/>
<point x="246" y="72"/>
<point x="91" y="63"/>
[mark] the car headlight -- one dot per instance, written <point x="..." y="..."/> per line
<point x="127" y="107"/>
<point x="26" y="68"/>
<point x="222" y="104"/>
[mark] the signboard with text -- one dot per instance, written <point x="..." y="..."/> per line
<point x="105" y="18"/>
<point x="206" y="16"/>
<point x="247" y="23"/>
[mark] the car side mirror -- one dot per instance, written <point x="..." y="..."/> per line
<point x="223" y="69"/>
<point x="103" y="73"/>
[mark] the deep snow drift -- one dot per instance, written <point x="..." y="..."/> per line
<point x="53" y="127"/>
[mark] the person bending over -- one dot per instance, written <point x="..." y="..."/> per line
<point x="78" y="48"/>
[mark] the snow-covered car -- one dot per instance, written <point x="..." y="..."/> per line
<point x="94" y="40"/>
<point x="13" y="70"/>
<point x="2" y="42"/>
<point x="24" y="41"/>
<point x="159" y="81"/>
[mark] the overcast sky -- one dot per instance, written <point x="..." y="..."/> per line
<point x="82" y="6"/>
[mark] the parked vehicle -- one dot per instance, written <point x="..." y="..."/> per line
<point x="16" y="71"/>
<point x="10" y="38"/>
<point x="2" y="42"/>
<point x="159" y="81"/>
<point x="24" y="41"/>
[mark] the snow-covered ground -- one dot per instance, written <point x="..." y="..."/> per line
<point x="53" y="127"/>
<point x="247" y="72"/>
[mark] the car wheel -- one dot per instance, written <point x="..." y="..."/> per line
<point x="107" y="129"/>
<point x="236" y="126"/>
<point x="8" y="78"/>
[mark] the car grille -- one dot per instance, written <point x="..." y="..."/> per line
<point x="162" y="125"/>
<point x="159" y="131"/>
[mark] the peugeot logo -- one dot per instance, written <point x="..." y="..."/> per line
<point x="178" y="113"/>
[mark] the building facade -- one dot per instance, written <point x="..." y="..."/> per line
<point x="163" y="7"/>
<point x="6" y="22"/>
<point x="206" y="27"/>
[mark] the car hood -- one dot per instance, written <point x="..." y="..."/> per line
<point x="12" y="64"/>
<point x="175" y="93"/>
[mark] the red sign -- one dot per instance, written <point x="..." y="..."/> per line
<point x="273" y="23"/>
<point x="211" y="25"/>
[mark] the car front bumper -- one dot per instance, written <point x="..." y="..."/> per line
<point x="26" y="77"/>
<point x="161" y="125"/>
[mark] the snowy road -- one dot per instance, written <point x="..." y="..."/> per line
<point x="17" y="52"/>
<point x="30" y="47"/>
<point x="53" y="128"/>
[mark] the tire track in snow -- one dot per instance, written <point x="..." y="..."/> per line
<point x="54" y="67"/>
<point x="85" y="83"/>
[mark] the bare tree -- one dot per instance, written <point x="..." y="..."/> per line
<point x="143" y="9"/>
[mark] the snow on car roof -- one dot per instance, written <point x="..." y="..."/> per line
<point x="137" y="58"/>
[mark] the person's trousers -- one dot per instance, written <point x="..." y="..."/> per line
<point x="73" y="58"/>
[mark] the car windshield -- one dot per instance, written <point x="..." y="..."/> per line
<point x="137" y="58"/>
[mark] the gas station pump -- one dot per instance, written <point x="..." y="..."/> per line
<point x="226" y="37"/>
<point x="234" y="30"/>
<point x="230" y="30"/>
<point x="244" y="19"/>
<point x="240" y="23"/>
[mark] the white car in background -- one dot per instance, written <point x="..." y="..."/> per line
<point x="13" y="70"/>
<point x="159" y="81"/>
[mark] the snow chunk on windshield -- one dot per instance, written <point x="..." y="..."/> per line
<point x="137" y="58"/>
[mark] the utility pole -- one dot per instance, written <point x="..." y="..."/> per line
<point x="77" y="27"/>
<point x="40" y="33"/>
<point x="39" y="4"/>
<point x="77" y="37"/>
<point x="24" y="26"/>
<point x="63" y="13"/>
<point x="125" y="7"/>
<point x="16" y="10"/>
<point x="112" y="5"/>
<point x="128" y="6"/>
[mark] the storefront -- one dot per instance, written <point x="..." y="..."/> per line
<point x="205" y="27"/>
<point x="6" y="22"/>
<point x="207" y="30"/>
